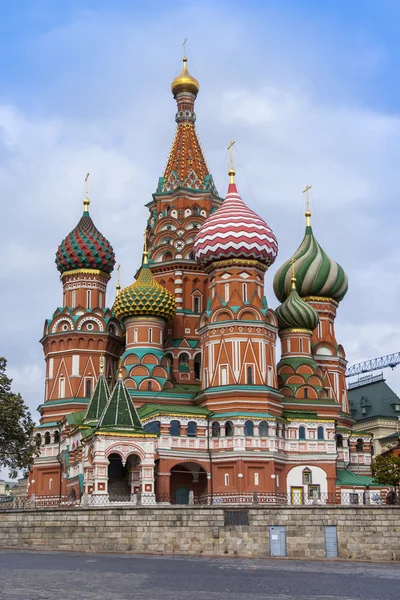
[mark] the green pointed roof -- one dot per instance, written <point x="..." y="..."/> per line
<point x="98" y="402"/>
<point x="120" y="413"/>
<point x="316" y="273"/>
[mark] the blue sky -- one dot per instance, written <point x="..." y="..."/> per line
<point x="309" y="91"/>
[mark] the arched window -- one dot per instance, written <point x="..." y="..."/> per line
<point x="229" y="429"/>
<point x="360" y="445"/>
<point x="168" y="210"/>
<point x="88" y="388"/>
<point x="38" y="439"/>
<point x="196" y="304"/>
<point x="305" y="392"/>
<point x="263" y="429"/>
<point x="191" y="430"/>
<point x="339" y="440"/>
<point x="150" y="335"/>
<point x="215" y="429"/>
<point x="47" y="438"/>
<point x="321" y="433"/>
<point x="184" y="358"/>
<point x="283" y="431"/>
<point x="227" y="292"/>
<point x="244" y="292"/>
<point x="167" y="256"/>
<point x="153" y="427"/>
<point x="302" y="433"/>
<point x="249" y="375"/>
<point x="197" y="365"/>
<point x="175" y="428"/>
<point x="171" y="359"/>
<point x="249" y="429"/>
<point x="195" y="211"/>
<point x="149" y="386"/>
<point x="56" y="437"/>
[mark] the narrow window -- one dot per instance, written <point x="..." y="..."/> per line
<point x="307" y="477"/>
<point x="339" y="440"/>
<point x="321" y="433"/>
<point x="89" y="299"/>
<point x="50" y="484"/>
<point x="229" y="429"/>
<point x="255" y="478"/>
<point x="56" y="437"/>
<point x="360" y="445"/>
<point x="302" y="433"/>
<point x="226" y="478"/>
<point x="101" y="299"/>
<point x="175" y="428"/>
<point x="47" y="438"/>
<point x="249" y="429"/>
<point x="224" y="376"/>
<point x="215" y="429"/>
<point x="227" y="292"/>
<point x="150" y="335"/>
<point x="270" y="377"/>
<point x="319" y="329"/>
<point x="61" y="387"/>
<point x="149" y="386"/>
<point x="51" y="368"/>
<point x="263" y="429"/>
<point x="244" y="292"/>
<point x="73" y="295"/>
<point x="305" y="392"/>
<point x="196" y="304"/>
<point x="191" y="430"/>
<point x="135" y="335"/>
<point x="88" y="388"/>
<point x="300" y="345"/>
<point x="249" y="375"/>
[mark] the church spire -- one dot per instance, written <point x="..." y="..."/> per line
<point x="186" y="165"/>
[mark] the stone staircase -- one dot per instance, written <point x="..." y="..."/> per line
<point x="118" y="490"/>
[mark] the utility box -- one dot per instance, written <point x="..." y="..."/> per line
<point x="331" y="543"/>
<point x="277" y="541"/>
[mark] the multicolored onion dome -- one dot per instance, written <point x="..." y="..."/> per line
<point x="295" y="313"/>
<point x="145" y="297"/>
<point x="235" y="231"/>
<point x="184" y="82"/>
<point x="316" y="273"/>
<point x="85" y="248"/>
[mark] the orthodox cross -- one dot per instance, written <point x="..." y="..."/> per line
<point x="230" y="155"/>
<point x="118" y="286"/>
<point x="87" y="184"/>
<point x="308" y="187"/>
<point x="184" y="46"/>
<point x="86" y="201"/>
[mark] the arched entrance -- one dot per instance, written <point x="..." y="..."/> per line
<point x="118" y="479"/>
<point x="188" y="477"/>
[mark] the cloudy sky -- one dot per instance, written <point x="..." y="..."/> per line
<point x="308" y="89"/>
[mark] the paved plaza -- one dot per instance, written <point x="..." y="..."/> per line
<point x="70" y="576"/>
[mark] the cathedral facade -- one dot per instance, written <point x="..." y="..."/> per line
<point x="177" y="392"/>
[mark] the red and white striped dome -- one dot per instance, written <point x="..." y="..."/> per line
<point x="235" y="231"/>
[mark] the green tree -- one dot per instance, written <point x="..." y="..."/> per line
<point x="386" y="470"/>
<point x="17" y="446"/>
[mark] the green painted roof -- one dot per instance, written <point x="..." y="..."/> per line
<point x="45" y="425"/>
<point x="254" y="415"/>
<point x="149" y="410"/>
<point x="300" y="414"/>
<point x="75" y="418"/>
<point x="98" y="402"/>
<point x="120" y="413"/>
<point x="346" y="477"/>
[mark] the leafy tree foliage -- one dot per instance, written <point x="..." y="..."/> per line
<point x="17" y="447"/>
<point x="386" y="470"/>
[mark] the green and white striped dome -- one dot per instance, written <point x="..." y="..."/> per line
<point x="295" y="313"/>
<point x="316" y="274"/>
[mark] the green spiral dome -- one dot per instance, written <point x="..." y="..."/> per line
<point x="295" y="313"/>
<point x="144" y="298"/>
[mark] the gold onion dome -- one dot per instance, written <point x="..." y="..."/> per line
<point x="295" y="313"/>
<point x="145" y="297"/>
<point x="184" y="82"/>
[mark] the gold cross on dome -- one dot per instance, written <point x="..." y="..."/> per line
<point x="184" y="46"/>
<point x="308" y="187"/>
<point x="87" y="184"/>
<point x="230" y="154"/>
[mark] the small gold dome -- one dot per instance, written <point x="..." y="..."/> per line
<point x="185" y="82"/>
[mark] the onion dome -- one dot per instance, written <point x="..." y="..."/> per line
<point x="145" y="297"/>
<point x="295" y="313"/>
<point x="85" y="247"/>
<point x="184" y="82"/>
<point x="235" y="231"/>
<point x="316" y="273"/>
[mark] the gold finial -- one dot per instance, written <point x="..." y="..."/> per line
<point x="120" y="368"/>
<point x="293" y="279"/>
<point x="231" y="171"/>
<point x="145" y="252"/>
<point x="102" y="364"/>
<point x="307" y="213"/>
<point x="118" y="286"/>
<point x="86" y="201"/>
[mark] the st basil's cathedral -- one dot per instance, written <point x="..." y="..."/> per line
<point x="175" y="394"/>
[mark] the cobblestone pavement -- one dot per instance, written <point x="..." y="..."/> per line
<point x="70" y="576"/>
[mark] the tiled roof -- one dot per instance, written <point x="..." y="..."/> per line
<point x="346" y="477"/>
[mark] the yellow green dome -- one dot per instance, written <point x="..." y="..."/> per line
<point x="184" y="82"/>
<point x="145" y="298"/>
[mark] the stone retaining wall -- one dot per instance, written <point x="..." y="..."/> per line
<point x="371" y="533"/>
